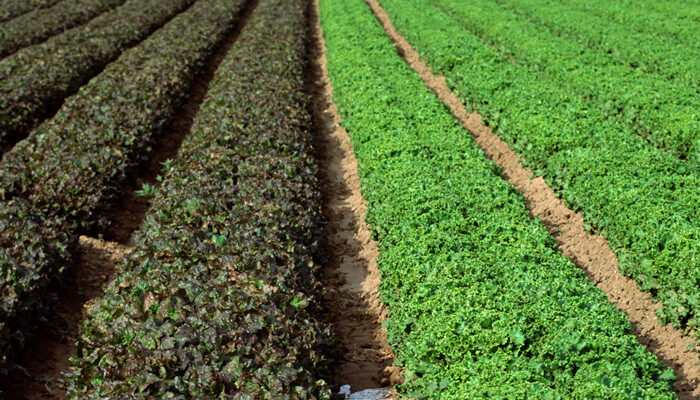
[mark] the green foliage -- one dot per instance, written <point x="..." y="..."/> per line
<point x="643" y="200"/>
<point x="12" y="8"/>
<point x="146" y="190"/>
<point x="649" y="52"/>
<point x="682" y="28"/>
<point x="663" y="112"/>
<point x="65" y="175"/>
<point x="40" y="24"/>
<point x="36" y="79"/>
<point x="481" y="302"/>
<point x="215" y="302"/>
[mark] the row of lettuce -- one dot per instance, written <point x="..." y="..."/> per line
<point x="38" y="25"/>
<point x="217" y="299"/>
<point x="35" y="80"/>
<point x="647" y="51"/>
<point x="674" y="10"/>
<point x="482" y="304"/>
<point x="13" y="8"/>
<point x="681" y="29"/>
<point x="580" y="54"/>
<point x="60" y="181"/>
<point x="642" y="199"/>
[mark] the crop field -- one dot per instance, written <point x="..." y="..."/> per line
<point x="349" y="199"/>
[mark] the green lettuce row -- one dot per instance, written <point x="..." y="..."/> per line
<point x="644" y="201"/>
<point x="216" y="300"/>
<point x="12" y="8"/>
<point x="645" y="51"/>
<point x="675" y="10"/>
<point x="663" y="112"/>
<point x="66" y="174"/>
<point x="37" y="79"/>
<point x="38" y="25"/>
<point x="685" y="31"/>
<point x="481" y="302"/>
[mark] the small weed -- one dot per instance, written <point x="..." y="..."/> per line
<point x="146" y="190"/>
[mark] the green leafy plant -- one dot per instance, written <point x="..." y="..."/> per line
<point x="481" y="302"/>
<point x="643" y="200"/>
<point x="146" y="190"/>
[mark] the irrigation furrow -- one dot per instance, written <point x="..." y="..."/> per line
<point x="587" y="251"/>
<point x="351" y="276"/>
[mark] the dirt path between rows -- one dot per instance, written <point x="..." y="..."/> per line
<point x="588" y="252"/>
<point x="48" y="354"/>
<point x="350" y="276"/>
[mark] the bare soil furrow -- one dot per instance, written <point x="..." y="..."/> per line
<point x="48" y="354"/>
<point x="589" y="252"/>
<point x="350" y="276"/>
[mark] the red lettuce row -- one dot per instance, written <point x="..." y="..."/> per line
<point x="216" y="301"/>
<point x="12" y="8"/>
<point x="62" y="179"/>
<point x="35" y="80"/>
<point x="37" y="25"/>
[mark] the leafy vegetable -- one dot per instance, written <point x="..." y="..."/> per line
<point x="35" y="80"/>
<point x="216" y="302"/>
<point x="40" y="24"/>
<point x="643" y="200"/>
<point x="65" y="176"/>
<point x="481" y="302"/>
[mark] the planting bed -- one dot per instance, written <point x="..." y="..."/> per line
<point x="661" y="111"/>
<point x="13" y="8"/>
<point x="643" y="200"/>
<point x="341" y="199"/>
<point x="35" y="81"/>
<point x="34" y="27"/>
<point x="481" y="302"/>
<point x="217" y="295"/>
<point x="102" y="131"/>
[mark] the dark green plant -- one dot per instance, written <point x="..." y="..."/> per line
<point x="35" y="80"/>
<point x="12" y="8"/>
<point x="67" y="173"/>
<point x="40" y="24"/>
<point x="216" y="300"/>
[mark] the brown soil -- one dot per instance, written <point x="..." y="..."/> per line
<point x="45" y="358"/>
<point x="48" y="354"/>
<point x="351" y="276"/>
<point x="587" y="251"/>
